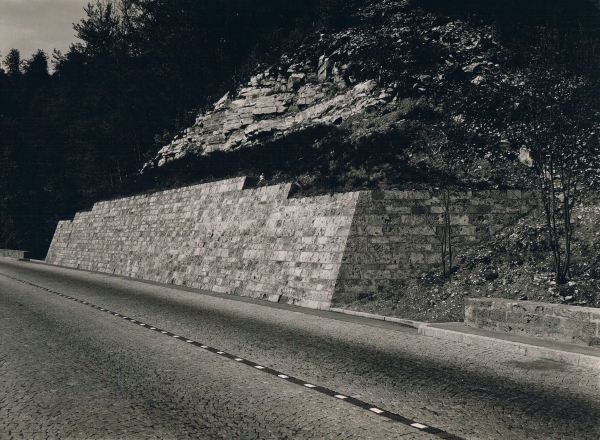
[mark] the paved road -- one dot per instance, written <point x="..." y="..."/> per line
<point x="69" y="370"/>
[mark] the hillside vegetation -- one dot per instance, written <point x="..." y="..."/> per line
<point x="465" y="94"/>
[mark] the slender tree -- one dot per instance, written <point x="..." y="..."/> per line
<point x="13" y="63"/>
<point x="562" y="132"/>
<point x="565" y="146"/>
<point x="37" y="66"/>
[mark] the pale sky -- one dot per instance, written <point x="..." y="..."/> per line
<point x="29" y="25"/>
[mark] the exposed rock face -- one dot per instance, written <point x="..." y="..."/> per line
<point x="274" y="104"/>
<point x="525" y="157"/>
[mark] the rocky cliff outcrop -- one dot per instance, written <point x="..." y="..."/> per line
<point x="275" y="103"/>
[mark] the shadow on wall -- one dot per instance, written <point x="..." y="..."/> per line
<point x="396" y="235"/>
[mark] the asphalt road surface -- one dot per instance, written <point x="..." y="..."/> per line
<point x="91" y="356"/>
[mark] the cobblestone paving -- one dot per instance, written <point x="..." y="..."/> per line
<point x="468" y="391"/>
<point x="69" y="372"/>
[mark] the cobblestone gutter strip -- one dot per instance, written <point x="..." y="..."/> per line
<point x="567" y="357"/>
<point x="356" y="402"/>
<point x="406" y="322"/>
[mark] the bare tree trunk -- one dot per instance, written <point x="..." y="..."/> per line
<point x="442" y="228"/>
<point x="560" y="230"/>
<point x="446" y="236"/>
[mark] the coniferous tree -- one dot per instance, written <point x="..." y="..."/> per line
<point x="13" y="63"/>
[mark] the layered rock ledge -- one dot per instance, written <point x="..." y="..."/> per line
<point x="275" y="103"/>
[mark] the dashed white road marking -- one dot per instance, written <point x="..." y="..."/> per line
<point x="354" y="400"/>
<point x="418" y="425"/>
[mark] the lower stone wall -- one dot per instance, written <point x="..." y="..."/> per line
<point x="573" y="324"/>
<point x="13" y="254"/>
<point x="260" y="242"/>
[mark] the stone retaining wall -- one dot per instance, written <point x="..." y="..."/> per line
<point x="573" y="324"/>
<point x="13" y="254"/>
<point x="261" y="242"/>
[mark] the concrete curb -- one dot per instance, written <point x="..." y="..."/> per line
<point x="534" y="351"/>
<point x="15" y="258"/>
<point x="408" y="322"/>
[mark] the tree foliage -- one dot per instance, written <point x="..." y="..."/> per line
<point x="13" y="63"/>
